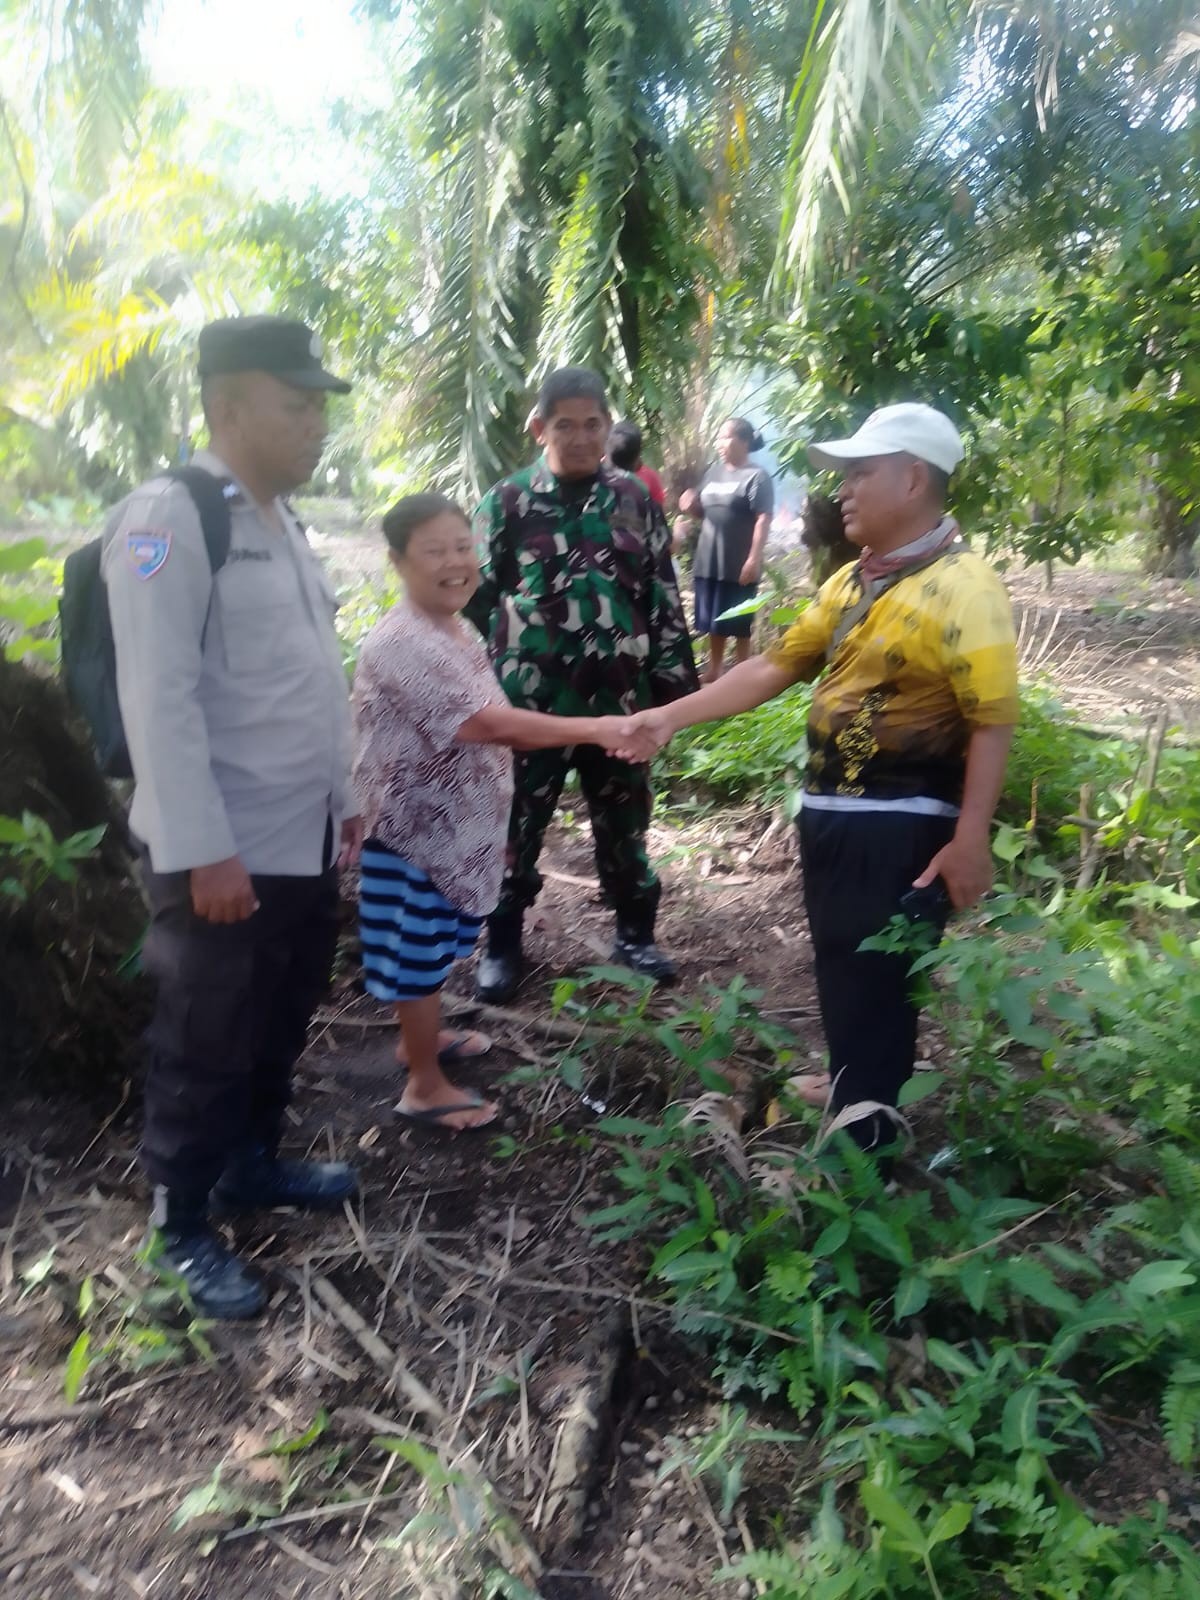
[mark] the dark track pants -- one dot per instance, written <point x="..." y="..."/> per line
<point x="856" y="867"/>
<point x="231" y="1018"/>
<point x="619" y="802"/>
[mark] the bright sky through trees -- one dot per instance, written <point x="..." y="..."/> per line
<point x="272" y="70"/>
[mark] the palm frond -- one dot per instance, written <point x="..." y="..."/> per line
<point x="578" y="326"/>
<point x="467" y="353"/>
<point x="91" y="340"/>
<point x="95" y="44"/>
<point x="159" y="207"/>
<point x="867" y="63"/>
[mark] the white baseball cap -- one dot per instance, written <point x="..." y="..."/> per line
<point x="916" y="429"/>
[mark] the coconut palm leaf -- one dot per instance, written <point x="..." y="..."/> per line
<point x="867" y="63"/>
<point x="465" y="346"/>
<point x="91" y="338"/>
<point x="1015" y="91"/>
<point x="581" y="317"/>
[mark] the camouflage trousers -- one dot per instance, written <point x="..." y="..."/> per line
<point x="619" y="801"/>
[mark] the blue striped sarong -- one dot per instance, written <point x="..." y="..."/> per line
<point x="411" y="935"/>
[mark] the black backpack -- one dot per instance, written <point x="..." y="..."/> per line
<point x="89" y="660"/>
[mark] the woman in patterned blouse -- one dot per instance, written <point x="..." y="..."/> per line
<point x="433" y="774"/>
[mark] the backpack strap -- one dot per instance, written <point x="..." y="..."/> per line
<point x="851" y="618"/>
<point x="211" y="496"/>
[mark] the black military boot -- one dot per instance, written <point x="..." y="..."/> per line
<point x="500" y="969"/>
<point x="257" y="1179"/>
<point x="182" y="1245"/>
<point x="635" y="948"/>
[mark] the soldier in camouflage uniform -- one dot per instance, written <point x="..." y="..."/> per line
<point x="582" y="616"/>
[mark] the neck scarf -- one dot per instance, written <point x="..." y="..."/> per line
<point x="873" y="567"/>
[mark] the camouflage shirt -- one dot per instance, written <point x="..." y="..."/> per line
<point x="579" y="604"/>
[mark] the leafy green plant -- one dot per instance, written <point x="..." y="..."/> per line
<point x="692" y="1043"/>
<point x="240" y="1495"/>
<point x="899" y="1530"/>
<point x="760" y="754"/>
<point x="463" y="1532"/>
<point x="36" y="855"/>
<point x="29" y="584"/>
<point x="217" y="1498"/>
<point x="805" y="1281"/>
<point x="367" y="605"/>
<point x="720" y="1456"/>
<point x="132" y="1330"/>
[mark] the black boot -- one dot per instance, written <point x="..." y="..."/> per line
<point x="500" y="969"/>
<point x="257" y="1179"/>
<point x="182" y="1245"/>
<point x="635" y="948"/>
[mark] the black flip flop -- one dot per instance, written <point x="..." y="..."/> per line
<point x="455" y="1056"/>
<point x="432" y="1117"/>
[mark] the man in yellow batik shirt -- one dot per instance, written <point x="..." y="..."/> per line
<point x="908" y="739"/>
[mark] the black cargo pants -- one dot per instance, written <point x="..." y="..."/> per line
<point x="856" y="867"/>
<point x="231" y="1018"/>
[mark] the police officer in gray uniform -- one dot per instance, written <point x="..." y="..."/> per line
<point x="236" y="714"/>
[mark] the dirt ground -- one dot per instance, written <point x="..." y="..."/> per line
<point x="1116" y="645"/>
<point x="463" y="1304"/>
<point x="469" y="1265"/>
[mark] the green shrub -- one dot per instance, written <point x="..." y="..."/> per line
<point x="758" y="755"/>
<point x="943" y="1349"/>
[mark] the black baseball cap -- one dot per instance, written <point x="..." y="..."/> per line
<point x="289" y="351"/>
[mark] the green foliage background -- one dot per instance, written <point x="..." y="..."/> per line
<point x="989" y="206"/>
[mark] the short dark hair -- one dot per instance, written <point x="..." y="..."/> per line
<point x="625" y="445"/>
<point x="214" y="385"/>
<point x="413" y="512"/>
<point x="570" y="383"/>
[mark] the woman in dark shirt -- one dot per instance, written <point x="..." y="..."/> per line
<point x="737" y="499"/>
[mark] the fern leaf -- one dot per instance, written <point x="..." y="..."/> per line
<point x="1181" y="1412"/>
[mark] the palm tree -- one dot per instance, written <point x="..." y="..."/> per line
<point x="562" y="206"/>
<point x="1054" y="70"/>
<point x="963" y="182"/>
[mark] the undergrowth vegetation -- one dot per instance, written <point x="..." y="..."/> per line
<point x="941" y="1365"/>
<point x="953" y="1353"/>
<point x="1142" y="794"/>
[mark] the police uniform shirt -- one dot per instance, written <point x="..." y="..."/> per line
<point x="232" y="690"/>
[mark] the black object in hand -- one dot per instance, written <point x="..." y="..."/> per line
<point x="930" y="904"/>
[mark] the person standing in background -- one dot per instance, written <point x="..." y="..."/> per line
<point x="625" y="452"/>
<point x="737" y="499"/>
<point x="581" y="614"/>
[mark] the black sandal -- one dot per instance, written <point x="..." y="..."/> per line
<point x="432" y="1117"/>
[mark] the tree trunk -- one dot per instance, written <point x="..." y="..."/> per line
<point x="1171" y="551"/>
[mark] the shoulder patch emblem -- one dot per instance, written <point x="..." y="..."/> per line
<point x="148" y="550"/>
